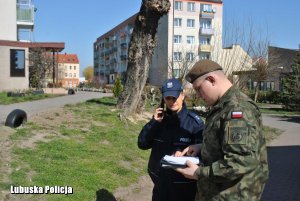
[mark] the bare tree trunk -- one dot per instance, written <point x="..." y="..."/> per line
<point x="140" y="53"/>
<point x="256" y="92"/>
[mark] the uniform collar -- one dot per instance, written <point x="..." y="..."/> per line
<point x="181" y="114"/>
<point x="225" y="98"/>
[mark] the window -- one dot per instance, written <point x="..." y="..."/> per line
<point x="70" y="74"/>
<point x="74" y="74"/>
<point x="191" y="6"/>
<point x="205" y="23"/>
<point x="204" y="40"/>
<point x="178" y="5"/>
<point x="66" y="74"/>
<point x="74" y="67"/>
<point x="176" y="73"/>
<point x="190" y="56"/>
<point x="190" y="39"/>
<point x="71" y="68"/>
<point x="204" y="56"/>
<point x="17" y="63"/>
<point x="177" y="22"/>
<point x="177" y="56"/>
<point x="190" y="23"/>
<point x="206" y="8"/>
<point x="66" y="67"/>
<point x="177" y="38"/>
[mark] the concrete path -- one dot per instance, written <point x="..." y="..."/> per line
<point x="290" y="126"/>
<point x="283" y="154"/>
<point x="37" y="106"/>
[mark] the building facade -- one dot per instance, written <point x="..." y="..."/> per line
<point x="68" y="70"/>
<point x="16" y="27"/>
<point x="192" y="30"/>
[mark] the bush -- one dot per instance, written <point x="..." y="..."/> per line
<point x="118" y="87"/>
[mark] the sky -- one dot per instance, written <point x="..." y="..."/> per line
<point x="79" y="23"/>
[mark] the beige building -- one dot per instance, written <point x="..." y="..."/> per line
<point x="192" y="30"/>
<point x="68" y="70"/>
<point x="16" y="27"/>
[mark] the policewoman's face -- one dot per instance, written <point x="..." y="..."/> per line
<point x="174" y="104"/>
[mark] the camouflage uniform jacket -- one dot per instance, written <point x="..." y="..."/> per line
<point x="233" y="151"/>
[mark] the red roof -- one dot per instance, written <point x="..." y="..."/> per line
<point x="68" y="58"/>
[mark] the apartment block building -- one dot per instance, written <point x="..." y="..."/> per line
<point x="68" y="70"/>
<point x="110" y="52"/>
<point x="192" y="30"/>
<point x="16" y="27"/>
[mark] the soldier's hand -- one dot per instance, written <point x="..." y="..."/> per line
<point x="192" y="150"/>
<point x="190" y="171"/>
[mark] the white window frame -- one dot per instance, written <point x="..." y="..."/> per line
<point x="177" y="39"/>
<point x="190" y="39"/>
<point x="190" y="23"/>
<point x="191" y="6"/>
<point x="177" y="56"/>
<point x="178" y="5"/>
<point x="177" y="22"/>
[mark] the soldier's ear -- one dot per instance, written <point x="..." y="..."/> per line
<point x="211" y="79"/>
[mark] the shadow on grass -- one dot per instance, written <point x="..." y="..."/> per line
<point x="104" y="195"/>
<point x="109" y="101"/>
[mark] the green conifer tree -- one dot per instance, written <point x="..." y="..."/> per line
<point x="291" y="87"/>
<point x="118" y="87"/>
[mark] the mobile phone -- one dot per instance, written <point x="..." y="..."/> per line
<point x="162" y="105"/>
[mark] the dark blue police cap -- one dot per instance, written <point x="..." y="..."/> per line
<point x="171" y="87"/>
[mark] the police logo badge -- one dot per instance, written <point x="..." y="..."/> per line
<point x="169" y="85"/>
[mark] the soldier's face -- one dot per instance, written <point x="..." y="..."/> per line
<point x="206" y="89"/>
<point x="174" y="104"/>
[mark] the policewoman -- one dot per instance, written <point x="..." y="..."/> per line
<point x="233" y="151"/>
<point x="168" y="133"/>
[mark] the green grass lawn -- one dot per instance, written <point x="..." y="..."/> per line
<point x="5" y="100"/>
<point x="84" y="146"/>
<point x="92" y="151"/>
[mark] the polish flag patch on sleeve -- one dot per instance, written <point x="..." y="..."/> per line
<point x="236" y="115"/>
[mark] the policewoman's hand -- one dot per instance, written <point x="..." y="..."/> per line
<point x="190" y="171"/>
<point x="158" y="114"/>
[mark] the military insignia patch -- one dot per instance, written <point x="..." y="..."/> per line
<point x="237" y="115"/>
<point x="237" y="135"/>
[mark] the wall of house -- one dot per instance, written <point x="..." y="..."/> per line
<point x="8" y="83"/>
<point x="8" y="24"/>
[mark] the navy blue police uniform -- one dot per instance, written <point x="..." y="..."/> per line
<point x="174" y="133"/>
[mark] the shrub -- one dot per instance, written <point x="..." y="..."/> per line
<point x="118" y="87"/>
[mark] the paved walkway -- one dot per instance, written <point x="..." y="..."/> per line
<point x="289" y="124"/>
<point x="283" y="157"/>
<point x="34" y="107"/>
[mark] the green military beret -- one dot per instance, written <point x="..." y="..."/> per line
<point x="200" y="68"/>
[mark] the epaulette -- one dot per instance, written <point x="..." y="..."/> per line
<point x="196" y="117"/>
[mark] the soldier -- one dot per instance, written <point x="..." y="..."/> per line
<point x="233" y="152"/>
<point x="167" y="133"/>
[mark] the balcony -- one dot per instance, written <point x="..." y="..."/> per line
<point x="206" y="31"/>
<point x="25" y="16"/>
<point x="205" y="48"/>
<point x="207" y="14"/>
<point x="123" y="57"/>
<point x="123" y="45"/>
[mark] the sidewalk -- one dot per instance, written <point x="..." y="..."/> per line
<point x="290" y="126"/>
<point x="43" y="105"/>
